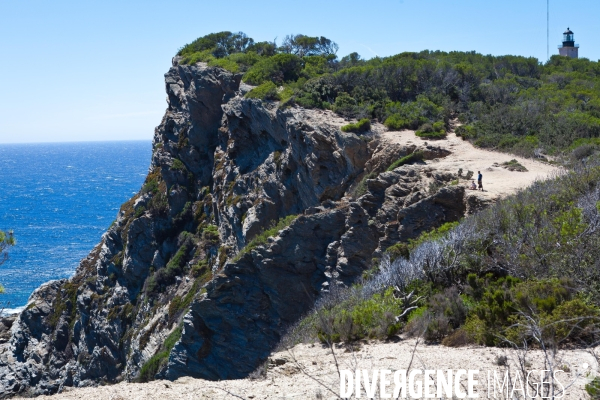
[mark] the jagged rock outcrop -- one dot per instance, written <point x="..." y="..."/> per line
<point x="185" y="282"/>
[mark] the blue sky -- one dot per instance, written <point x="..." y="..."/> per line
<point x="87" y="71"/>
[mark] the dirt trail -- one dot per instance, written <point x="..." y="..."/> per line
<point x="497" y="181"/>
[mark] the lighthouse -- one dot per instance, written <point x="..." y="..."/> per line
<point x="569" y="48"/>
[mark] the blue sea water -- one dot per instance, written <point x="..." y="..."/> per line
<point x="59" y="198"/>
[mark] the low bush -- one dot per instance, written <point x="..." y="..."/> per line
<point x="361" y="188"/>
<point x="158" y="281"/>
<point x="139" y="211"/>
<point x="179" y="305"/>
<point x="583" y="151"/>
<point x="225" y="63"/>
<point x="358" y="318"/>
<point x="403" y="249"/>
<point x="443" y="314"/>
<point x="160" y="359"/>
<point x="466" y="132"/>
<point x="200" y="268"/>
<point x="344" y="105"/>
<point x="210" y="234"/>
<point x="278" y="69"/>
<point x="429" y="131"/>
<point x="178" y="165"/>
<point x="362" y="126"/>
<point x="262" y="237"/>
<point x="265" y="91"/>
<point x="159" y="204"/>
<point x="151" y="186"/>
<point x="411" y="158"/>
<point x="593" y="388"/>
<point x="434" y="234"/>
<point x="514" y="165"/>
<point x="396" y="122"/>
<point x="412" y="114"/>
<point x="398" y="250"/>
<point x="504" y="308"/>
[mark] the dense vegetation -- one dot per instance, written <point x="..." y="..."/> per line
<point x="523" y="270"/>
<point x="510" y="103"/>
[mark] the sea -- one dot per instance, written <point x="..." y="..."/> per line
<point x="58" y="199"/>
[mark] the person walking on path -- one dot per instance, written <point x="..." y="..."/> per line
<point x="479" y="180"/>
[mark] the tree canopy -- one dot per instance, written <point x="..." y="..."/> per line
<point x="509" y="103"/>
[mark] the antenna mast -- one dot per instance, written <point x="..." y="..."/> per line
<point x="547" y="30"/>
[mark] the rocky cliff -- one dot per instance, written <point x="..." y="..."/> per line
<point x="189" y="280"/>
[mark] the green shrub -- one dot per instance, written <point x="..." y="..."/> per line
<point x="397" y="122"/>
<point x="398" y="250"/>
<point x="198" y="56"/>
<point x="200" y="268"/>
<point x="361" y="188"/>
<point x="179" y="305"/>
<point x="444" y="313"/>
<point x="434" y="234"/>
<point x="593" y="388"/>
<point x="412" y="114"/>
<point x="592" y="142"/>
<point x="503" y="304"/>
<point x="139" y="211"/>
<point x="408" y="159"/>
<point x="160" y="359"/>
<point x="429" y="131"/>
<point x="362" y="126"/>
<point x="218" y="45"/>
<point x="210" y="234"/>
<point x="159" y="205"/>
<point x="278" y="69"/>
<point x="158" y="281"/>
<point x="265" y="91"/>
<point x="150" y="186"/>
<point x="262" y="237"/>
<point x="466" y="132"/>
<point x="357" y="319"/>
<point x="514" y="165"/>
<point x="344" y="104"/>
<point x="225" y="63"/>
<point x="64" y="303"/>
<point x="583" y="151"/>
<point x="178" y="165"/>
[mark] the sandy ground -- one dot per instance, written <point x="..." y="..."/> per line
<point x="309" y="372"/>
<point x="497" y="181"/>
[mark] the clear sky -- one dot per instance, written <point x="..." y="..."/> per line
<point x="93" y="70"/>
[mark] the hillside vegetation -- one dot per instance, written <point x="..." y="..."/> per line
<point x="510" y="103"/>
<point x="529" y="260"/>
<point x="525" y="270"/>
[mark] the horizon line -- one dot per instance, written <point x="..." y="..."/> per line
<point x="79" y="141"/>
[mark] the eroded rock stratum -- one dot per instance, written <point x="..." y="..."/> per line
<point x="172" y="288"/>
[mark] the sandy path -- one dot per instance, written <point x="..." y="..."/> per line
<point x="288" y="382"/>
<point x="497" y="181"/>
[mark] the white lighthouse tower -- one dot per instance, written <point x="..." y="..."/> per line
<point x="569" y="48"/>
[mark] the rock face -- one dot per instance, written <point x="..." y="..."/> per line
<point x="186" y="282"/>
